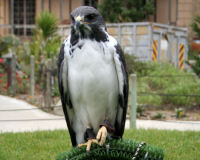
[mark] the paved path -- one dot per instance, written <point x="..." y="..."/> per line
<point x="19" y="116"/>
<point x="26" y="117"/>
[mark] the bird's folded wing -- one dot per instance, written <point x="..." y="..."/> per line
<point x="64" y="91"/>
<point x="122" y="75"/>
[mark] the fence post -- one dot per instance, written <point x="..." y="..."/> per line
<point x="48" y="84"/>
<point x="13" y="75"/>
<point x="32" y="80"/>
<point x="132" y="100"/>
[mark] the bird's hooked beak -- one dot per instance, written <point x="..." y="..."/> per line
<point x="78" y="21"/>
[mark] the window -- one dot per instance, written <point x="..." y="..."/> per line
<point x="92" y="3"/>
<point x="24" y="14"/>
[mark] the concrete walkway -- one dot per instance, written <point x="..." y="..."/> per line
<point x="19" y="116"/>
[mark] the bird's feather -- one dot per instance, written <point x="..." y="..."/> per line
<point x="123" y="94"/>
<point x="93" y="81"/>
<point x="64" y="92"/>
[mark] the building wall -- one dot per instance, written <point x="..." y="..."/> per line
<point x="162" y="11"/>
<point x="162" y="15"/>
<point x="180" y="15"/>
<point x="4" y="16"/>
<point x="54" y="7"/>
<point x="47" y="5"/>
<point x="37" y="8"/>
<point x="173" y="12"/>
<point x="65" y="13"/>
<point x="185" y="12"/>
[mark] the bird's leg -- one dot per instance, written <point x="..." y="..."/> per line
<point x="105" y="127"/>
<point x="89" y="136"/>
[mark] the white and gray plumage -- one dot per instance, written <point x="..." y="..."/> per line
<point x="92" y="75"/>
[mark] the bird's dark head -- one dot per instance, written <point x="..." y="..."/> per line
<point x="86" y="20"/>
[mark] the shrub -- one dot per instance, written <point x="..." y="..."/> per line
<point x="125" y="11"/>
<point x="47" y="23"/>
<point x="195" y="25"/>
<point x="140" y="111"/>
<point x="195" y="54"/>
<point x="196" y="65"/>
<point x="46" y="41"/>
<point x="45" y="45"/>
<point x="7" y="42"/>
<point x="158" y="116"/>
<point x="179" y="112"/>
<point x="134" y="65"/>
<point x="155" y="82"/>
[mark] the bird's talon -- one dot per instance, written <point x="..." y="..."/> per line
<point x="82" y="144"/>
<point x="88" y="144"/>
<point x="101" y="135"/>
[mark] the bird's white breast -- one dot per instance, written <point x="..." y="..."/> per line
<point x="93" y="85"/>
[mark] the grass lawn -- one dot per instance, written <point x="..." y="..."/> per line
<point x="45" y="145"/>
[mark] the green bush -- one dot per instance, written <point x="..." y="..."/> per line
<point x="134" y="65"/>
<point x="125" y="11"/>
<point x="46" y="42"/>
<point x="179" y="112"/>
<point x="47" y="23"/>
<point x="158" y="116"/>
<point x="140" y="111"/>
<point x="195" y="25"/>
<point x="156" y="81"/>
<point x="8" y="42"/>
<point x="195" y="55"/>
<point x="12" y="44"/>
<point x="45" y="45"/>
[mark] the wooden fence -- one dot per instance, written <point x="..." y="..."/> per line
<point x="48" y="72"/>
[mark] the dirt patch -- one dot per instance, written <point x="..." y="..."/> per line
<point x="191" y="115"/>
<point x="36" y="100"/>
<point x="147" y="113"/>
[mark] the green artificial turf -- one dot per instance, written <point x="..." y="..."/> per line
<point x="45" y="145"/>
<point x="121" y="149"/>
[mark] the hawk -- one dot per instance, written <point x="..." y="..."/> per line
<point x="93" y="80"/>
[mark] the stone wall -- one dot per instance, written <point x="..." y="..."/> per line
<point x="134" y="38"/>
<point x="138" y="38"/>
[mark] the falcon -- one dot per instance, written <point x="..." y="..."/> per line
<point x="93" y="80"/>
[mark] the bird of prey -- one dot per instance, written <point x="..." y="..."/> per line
<point x="93" y="80"/>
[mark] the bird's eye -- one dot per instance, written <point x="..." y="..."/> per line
<point x="90" y="17"/>
<point x="72" y="19"/>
